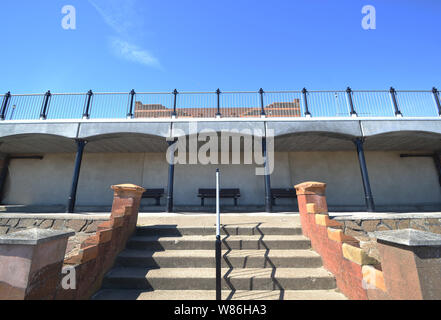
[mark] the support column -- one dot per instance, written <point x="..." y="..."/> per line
<point x="171" y="174"/>
<point x="268" y="197"/>
<point x="73" y="191"/>
<point x="3" y="176"/>
<point x="437" y="161"/>
<point x="370" y="206"/>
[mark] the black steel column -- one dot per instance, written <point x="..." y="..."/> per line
<point x="268" y="196"/>
<point x="73" y="191"/>
<point x="437" y="161"/>
<point x="171" y="175"/>
<point x="3" y="176"/>
<point x="351" y="102"/>
<point x="86" y="111"/>
<point x="132" y="97"/>
<point x="175" y="101"/>
<point x="393" y="94"/>
<point x="262" y="104"/>
<point x="436" y="96"/>
<point x="305" y="99"/>
<point x="4" y="107"/>
<point x="45" y="106"/>
<point x="218" y="92"/>
<point x="364" y="175"/>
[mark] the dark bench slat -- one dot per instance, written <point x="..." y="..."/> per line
<point x="223" y="193"/>
<point x="283" y="193"/>
<point x="154" y="194"/>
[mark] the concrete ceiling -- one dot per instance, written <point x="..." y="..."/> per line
<point x="135" y="143"/>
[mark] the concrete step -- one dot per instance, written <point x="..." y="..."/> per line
<point x="231" y="259"/>
<point x="232" y="230"/>
<point x="196" y="242"/>
<point x="204" y="279"/>
<point x="185" y="295"/>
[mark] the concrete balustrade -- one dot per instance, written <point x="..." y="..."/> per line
<point x="31" y="262"/>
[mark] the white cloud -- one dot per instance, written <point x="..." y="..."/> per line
<point x="131" y="52"/>
<point x="122" y="17"/>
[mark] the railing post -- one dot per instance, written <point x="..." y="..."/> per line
<point x="218" y="114"/>
<point x="44" y="107"/>
<point x="393" y="94"/>
<point x="262" y="105"/>
<point x="4" y="107"/>
<point x="130" y="114"/>
<point x="305" y="101"/>
<point x="175" y="93"/>
<point x="436" y="96"/>
<point x="351" y="103"/>
<point x="86" y="111"/>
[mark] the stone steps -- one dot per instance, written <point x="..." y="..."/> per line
<point x="183" y="295"/>
<point x="197" y="242"/>
<point x="178" y="231"/>
<point x="259" y="261"/>
<point x="231" y="259"/>
<point x="233" y="279"/>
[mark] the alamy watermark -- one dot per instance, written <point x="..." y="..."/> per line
<point x="69" y="20"/>
<point x="69" y="281"/>
<point x="233" y="146"/>
<point x="369" y="21"/>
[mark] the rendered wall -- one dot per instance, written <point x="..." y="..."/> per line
<point x="39" y="182"/>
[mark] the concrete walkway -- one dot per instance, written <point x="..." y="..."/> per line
<point x="209" y="220"/>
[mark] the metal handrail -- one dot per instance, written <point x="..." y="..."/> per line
<point x="221" y="104"/>
<point x="218" y="246"/>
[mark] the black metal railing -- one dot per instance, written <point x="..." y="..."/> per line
<point x="241" y="104"/>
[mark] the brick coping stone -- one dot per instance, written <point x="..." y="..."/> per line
<point x="35" y="236"/>
<point x="56" y="216"/>
<point x="409" y="237"/>
<point x="382" y="216"/>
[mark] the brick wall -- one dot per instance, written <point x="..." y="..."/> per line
<point x="362" y="228"/>
<point x="358" y="275"/>
<point x="98" y="252"/>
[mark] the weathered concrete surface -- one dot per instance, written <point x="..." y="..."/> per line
<point x="93" y="129"/>
<point x="409" y="237"/>
<point x="256" y="128"/>
<point x="374" y="127"/>
<point x="343" y="128"/>
<point x="316" y="134"/>
<point x="59" y="128"/>
<point x="183" y="295"/>
<point x="264" y="220"/>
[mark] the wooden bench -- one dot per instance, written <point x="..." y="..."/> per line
<point x="223" y="193"/>
<point x="154" y="194"/>
<point x="283" y="193"/>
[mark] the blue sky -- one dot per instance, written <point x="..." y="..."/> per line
<point x="232" y="44"/>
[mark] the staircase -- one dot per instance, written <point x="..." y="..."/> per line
<point x="172" y="262"/>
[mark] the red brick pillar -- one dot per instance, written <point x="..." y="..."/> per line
<point x="126" y="201"/>
<point x="311" y="199"/>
